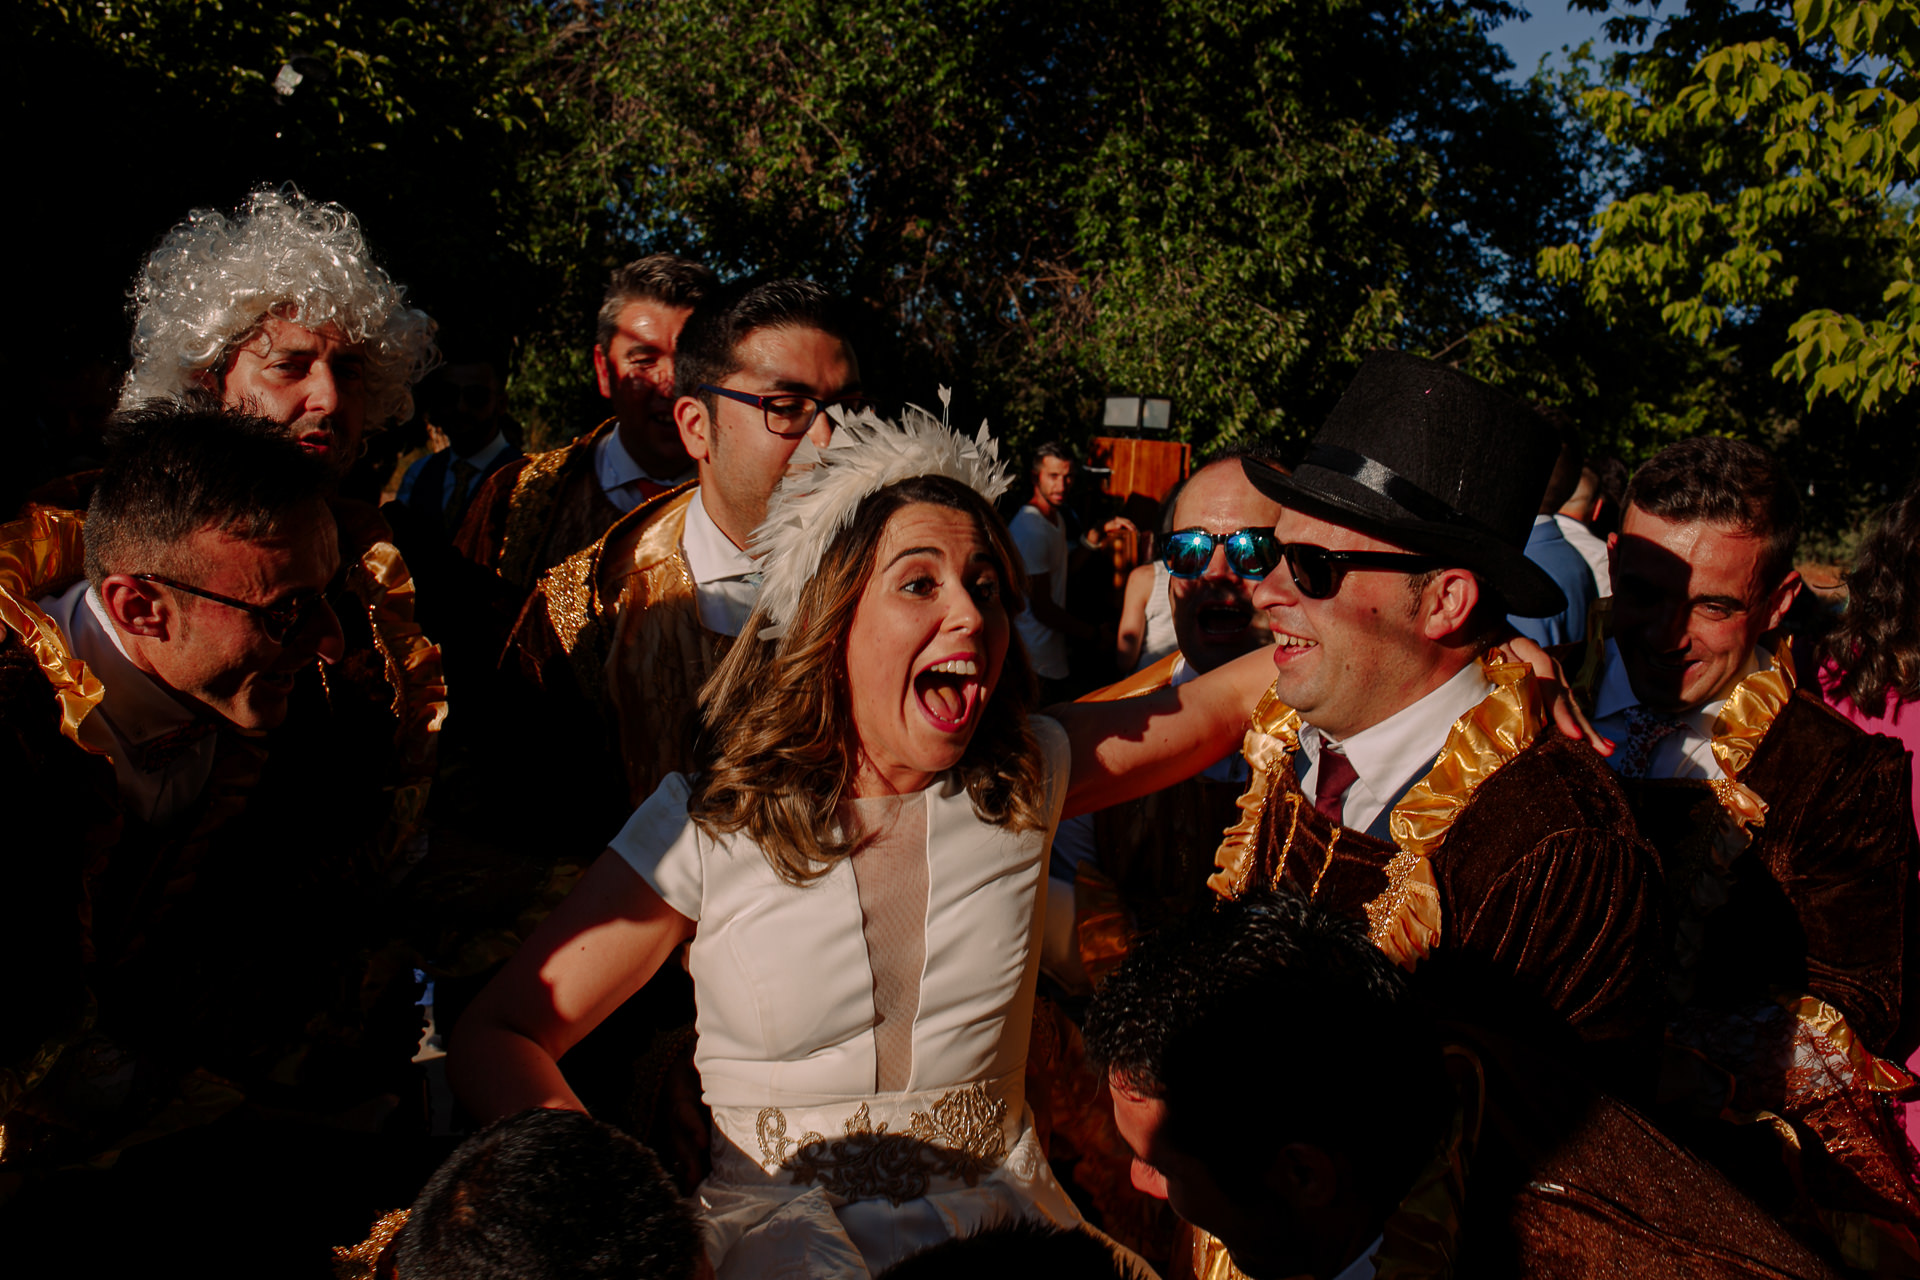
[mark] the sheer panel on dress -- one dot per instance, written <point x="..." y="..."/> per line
<point x="891" y="875"/>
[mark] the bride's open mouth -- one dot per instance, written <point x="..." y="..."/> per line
<point x="950" y="692"/>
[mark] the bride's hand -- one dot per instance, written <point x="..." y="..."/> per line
<point x="1555" y="686"/>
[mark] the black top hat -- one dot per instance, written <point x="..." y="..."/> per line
<point x="1425" y="457"/>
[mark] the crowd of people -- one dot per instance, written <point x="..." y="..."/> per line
<point x="689" y="851"/>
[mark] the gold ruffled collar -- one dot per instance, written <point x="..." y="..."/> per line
<point x="1403" y="920"/>
<point x="40" y="555"/>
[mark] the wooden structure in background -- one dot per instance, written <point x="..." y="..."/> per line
<point x="1141" y="473"/>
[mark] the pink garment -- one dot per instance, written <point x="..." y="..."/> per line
<point x="1900" y="721"/>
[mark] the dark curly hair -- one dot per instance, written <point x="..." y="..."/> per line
<point x="1877" y="644"/>
<point x="1272" y="984"/>
<point x="1715" y="480"/>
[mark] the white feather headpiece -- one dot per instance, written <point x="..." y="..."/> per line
<point x="823" y="489"/>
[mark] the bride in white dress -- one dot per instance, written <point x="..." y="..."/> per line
<point x="860" y="866"/>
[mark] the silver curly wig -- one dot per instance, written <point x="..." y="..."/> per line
<point x="212" y="281"/>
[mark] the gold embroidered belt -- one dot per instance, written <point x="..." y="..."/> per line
<point x="897" y="1146"/>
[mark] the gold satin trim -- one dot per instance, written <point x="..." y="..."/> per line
<point x="1404" y="921"/>
<point x="1273" y="735"/>
<point x="1140" y="683"/>
<point x="533" y="497"/>
<point x="41" y="554"/>
<point x="382" y="583"/>
<point x="962" y="1135"/>
<point x="1750" y="711"/>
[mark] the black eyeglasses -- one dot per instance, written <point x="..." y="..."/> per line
<point x="278" y="621"/>
<point x="1251" y="553"/>
<point x="1317" y="572"/>
<point x="789" y="414"/>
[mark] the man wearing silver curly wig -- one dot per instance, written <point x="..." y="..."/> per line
<point x="281" y="310"/>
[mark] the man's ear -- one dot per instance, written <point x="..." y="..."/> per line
<point x="137" y="607"/>
<point x="1782" y="599"/>
<point x="1305" y="1177"/>
<point x="1448" y="603"/>
<point x="602" y="374"/>
<point x="696" y="427"/>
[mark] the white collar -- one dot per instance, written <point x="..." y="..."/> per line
<point x="1387" y="756"/>
<point x="711" y="555"/>
<point x="139" y="707"/>
<point x="615" y="466"/>
<point x="487" y="453"/>
<point x="1546" y="519"/>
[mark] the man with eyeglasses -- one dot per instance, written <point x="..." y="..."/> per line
<point x="1405" y="775"/>
<point x="599" y="693"/>
<point x="192" y="875"/>
<point x="535" y="512"/>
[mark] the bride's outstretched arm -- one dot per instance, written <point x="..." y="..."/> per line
<point x="597" y="948"/>
<point x="1132" y="746"/>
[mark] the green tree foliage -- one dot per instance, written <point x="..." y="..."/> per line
<point x="1804" y="127"/>
<point x="1228" y="204"/>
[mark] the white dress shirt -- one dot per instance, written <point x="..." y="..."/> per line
<point x="726" y="580"/>
<point x="1685" y="753"/>
<point x="1592" y="548"/>
<point x="620" y="475"/>
<point x="1391" y="755"/>
<point x="136" y="710"/>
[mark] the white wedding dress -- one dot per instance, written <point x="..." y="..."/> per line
<point x="802" y="1010"/>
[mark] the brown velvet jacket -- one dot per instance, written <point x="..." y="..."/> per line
<point x="536" y="511"/>
<point x="1516" y="885"/>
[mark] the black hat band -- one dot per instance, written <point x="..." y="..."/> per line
<point x="1377" y="477"/>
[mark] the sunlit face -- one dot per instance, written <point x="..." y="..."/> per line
<point x="926" y="648"/>
<point x="1213" y="614"/>
<point x="1261" y="1242"/>
<point x="1348" y="662"/>
<point x="1052" y="481"/>
<point x="220" y="656"/>
<point x="1689" y="605"/>
<point x="635" y="370"/>
<point x="311" y="381"/>
<point x="740" y="460"/>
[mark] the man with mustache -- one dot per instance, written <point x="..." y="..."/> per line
<point x="1122" y="871"/>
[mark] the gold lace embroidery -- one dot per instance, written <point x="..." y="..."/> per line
<point x="960" y="1136"/>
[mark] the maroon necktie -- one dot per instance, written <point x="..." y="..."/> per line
<point x="1330" y="782"/>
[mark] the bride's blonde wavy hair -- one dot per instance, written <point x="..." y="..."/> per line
<point x="778" y="750"/>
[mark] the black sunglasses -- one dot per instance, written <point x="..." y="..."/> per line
<point x="1251" y="553"/>
<point x="1317" y="572"/>
<point x="789" y="414"/>
<point x="278" y="621"/>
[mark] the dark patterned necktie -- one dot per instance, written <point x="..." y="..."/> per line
<point x="1646" y="730"/>
<point x="1331" y="779"/>
<point x="463" y="474"/>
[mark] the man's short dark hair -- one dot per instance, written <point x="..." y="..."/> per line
<point x="1051" y="449"/>
<point x="173" y="470"/>
<point x="1714" y="480"/>
<point x="545" y="1195"/>
<point x="1017" y="1248"/>
<point x="1266" y="982"/>
<point x="658" y="277"/>
<point x="707" y="352"/>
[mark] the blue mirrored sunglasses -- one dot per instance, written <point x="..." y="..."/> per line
<point x="1251" y="553"/>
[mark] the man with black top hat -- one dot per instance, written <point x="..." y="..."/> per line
<point x="1404" y="775"/>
